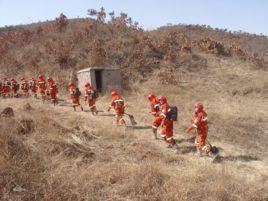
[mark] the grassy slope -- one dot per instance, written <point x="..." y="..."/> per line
<point x="74" y="155"/>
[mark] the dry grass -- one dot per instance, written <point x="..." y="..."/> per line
<point x="52" y="156"/>
<point x="49" y="153"/>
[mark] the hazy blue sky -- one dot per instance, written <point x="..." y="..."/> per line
<point x="247" y="15"/>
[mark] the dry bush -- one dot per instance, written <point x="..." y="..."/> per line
<point x="24" y="168"/>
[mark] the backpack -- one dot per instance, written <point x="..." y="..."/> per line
<point x="8" y="83"/>
<point x="25" y="86"/>
<point x="95" y="94"/>
<point x="33" y="84"/>
<point x="172" y="113"/>
<point x="77" y="92"/>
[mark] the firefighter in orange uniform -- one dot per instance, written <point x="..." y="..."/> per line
<point x="42" y="86"/>
<point x="90" y="98"/>
<point x="201" y="125"/>
<point x="24" y="85"/>
<point x="167" y="124"/>
<point x="6" y="86"/>
<point x="52" y="91"/>
<point x="119" y="106"/>
<point x="14" y="87"/>
<point x="33" y="86"/>
<point x="155" y="104"/>
<point x="75" y="96"/>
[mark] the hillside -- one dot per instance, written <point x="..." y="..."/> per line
<point x="68" y="45"/>
<point x="53" y="153"/>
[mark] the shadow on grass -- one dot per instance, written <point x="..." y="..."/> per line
<point x="141" y="127"/>
<point x="190" y="140"/>
<point x="106" y="115"/>
<point x="187" y="149"/>
<point x="242" y="158"/>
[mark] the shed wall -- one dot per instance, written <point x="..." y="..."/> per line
<point x="111" y="79"/>
<point x="83" y="78"/>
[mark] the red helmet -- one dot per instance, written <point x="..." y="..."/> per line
<point x="40" y="76"/>
<point x="151" y="96"/>
<point x="12" y="80"/>
<point x="71" y="84"/>
<point x="162" y="99"/>
<point x="198" y="106"/>
<point x="113" y="93"/>
<point x="87" y="84"/>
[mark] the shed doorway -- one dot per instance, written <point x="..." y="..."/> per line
<point x="101" y="79"/>
<point x="98" y="77"/>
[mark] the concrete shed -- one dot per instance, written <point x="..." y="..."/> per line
<point x="102" y="79"/>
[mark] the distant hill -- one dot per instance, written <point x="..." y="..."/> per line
<point x="63" y="46"/>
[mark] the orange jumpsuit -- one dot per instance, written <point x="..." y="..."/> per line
<point x="90" y="100"/>
<point x="155" y="106"/>
<point x="119" y="106"/>
<point x="5" y="88"/>
<point x="42" y="86"/>
<point x="75" y="99"/>
<point x="201" y="125"/>
<point x="167" y="125"/>
<point x="53" y="90"/>
<point x="13" y="88"/>
<point x="24" y="87"/>
<point x="33" y="86"/>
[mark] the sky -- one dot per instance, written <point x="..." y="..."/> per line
<point x="246" y="15"/>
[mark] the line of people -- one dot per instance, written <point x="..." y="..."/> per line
<point x="91" y="96"/>
<point x="46" y="87"/>
<point x="163" y="114"/>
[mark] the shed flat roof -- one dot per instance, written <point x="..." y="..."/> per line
<point x="97" y="68"/>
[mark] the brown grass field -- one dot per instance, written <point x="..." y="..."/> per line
<point x="53" y="153"/>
